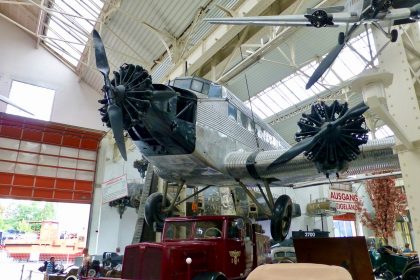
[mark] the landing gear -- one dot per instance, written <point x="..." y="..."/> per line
<point x="153" y="213"/>
<point x="394" y="35"/>
<point x="281" y="218"/>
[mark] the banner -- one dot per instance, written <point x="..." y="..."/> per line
<point x="345" y="201"/>
<point x="114" y="189"/>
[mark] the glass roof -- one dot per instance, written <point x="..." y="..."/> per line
<point x="291" y="90"/>
<point x="382" y="132"/>
<point x="69" y="26"/>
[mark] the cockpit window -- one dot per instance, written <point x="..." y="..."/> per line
<point x="215" y="91"/>
<point x="197" y="85"/>
<point x="182" y="83"/>
<point x="206" y="88"/>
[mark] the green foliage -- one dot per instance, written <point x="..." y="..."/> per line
<point x="22" y="216"/>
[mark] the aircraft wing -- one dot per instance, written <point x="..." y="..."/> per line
<point x="377" y="156"/>
<point x="288" y="20"/>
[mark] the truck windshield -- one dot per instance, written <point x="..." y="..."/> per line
<point x="178" y="231"/>
<point x="208" y="229"/>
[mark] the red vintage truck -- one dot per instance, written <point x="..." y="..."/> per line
<point x="198" y="248"/>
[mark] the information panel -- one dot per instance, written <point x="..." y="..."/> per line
<point x="114" y="189"/>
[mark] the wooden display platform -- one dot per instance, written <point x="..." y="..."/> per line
<point x="348" y="252"/>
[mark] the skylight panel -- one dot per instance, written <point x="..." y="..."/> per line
<point x="263" y="108"/>
<point x="269" y="103"/>
<point x="257" y="111"/>
<point x="67" y="30"/>
<point x="277" y="99"/>
<point x="383" y="132"/>
<point x="291" y="90"/>
<point x="286" y="94"/>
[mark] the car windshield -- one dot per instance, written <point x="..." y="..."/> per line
<point x="178" y="230"/>
<point x="208" y="229"/>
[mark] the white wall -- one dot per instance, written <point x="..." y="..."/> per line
<point x="75" y="102"/>
<point x="107" y="230"/>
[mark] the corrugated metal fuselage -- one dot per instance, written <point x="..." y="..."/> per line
<point x="217" y="135"/>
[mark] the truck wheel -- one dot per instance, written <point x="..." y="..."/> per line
<point x="71" y="277"/>
<point x="281" y="218"/>
<point x="153" y="210"/>
<point x="412" y="273"/>
<point x="210" y="276"/>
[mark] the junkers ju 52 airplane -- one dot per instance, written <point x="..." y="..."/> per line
<point x="197" y="132"/>
<point x="379" y="13"/>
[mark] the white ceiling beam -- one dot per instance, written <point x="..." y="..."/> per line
<point x="267" y="47"/>
<point x="15" y="2"/>
<point x="39" y="25"/>
<point x="218" y="39"/>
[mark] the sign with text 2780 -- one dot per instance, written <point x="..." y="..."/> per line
<point x="345" y="201"/>
<point x="114" y="189"/>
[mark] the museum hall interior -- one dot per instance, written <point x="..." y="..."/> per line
<point x="209" y="139"/>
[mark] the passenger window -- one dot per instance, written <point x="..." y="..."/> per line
<point x="232" y="111"/>
<point x="244" y="120"/>
<point x="258" y="128"/>
<point x="251" y="126"/>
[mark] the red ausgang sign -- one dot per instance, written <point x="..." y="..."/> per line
<point x="345" y="201"/>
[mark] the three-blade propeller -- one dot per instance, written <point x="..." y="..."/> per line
<point x="307" y="143"/>
<point x="113" y="110"/>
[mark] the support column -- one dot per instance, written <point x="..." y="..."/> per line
<point x="403" y="106"/>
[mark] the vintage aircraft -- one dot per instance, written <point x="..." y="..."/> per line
<point x="353" y="14"/>
<point x="197" y="132"/>
<point x="10" y="102"/>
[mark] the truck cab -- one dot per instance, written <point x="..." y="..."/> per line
<point x="203" y="247"/>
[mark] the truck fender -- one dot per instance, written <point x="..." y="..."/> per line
<point x="210" y="276"/>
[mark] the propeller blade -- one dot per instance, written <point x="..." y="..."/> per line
<point x="100" y="55"/>
<point x="115" y="117"/>
<point x="8" y="101"/>
<point x="356" y="111"/>
<point x="330" y="58"/>
<point x="293" y="152"/>
<point x="324" y="65"/>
